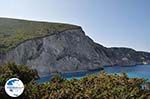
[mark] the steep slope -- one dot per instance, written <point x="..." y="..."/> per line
<point x="66" y="51"/>
<point x="128" y="56"/>
<point x="62" y="48"/>
<point x="13" y="31"/>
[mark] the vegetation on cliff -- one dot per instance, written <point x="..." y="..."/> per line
<point x="101" y="86"/>
<point x="14" y="31"/>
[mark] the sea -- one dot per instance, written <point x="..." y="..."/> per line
<point x="137" y="71"/>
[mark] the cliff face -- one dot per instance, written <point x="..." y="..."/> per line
<point x="127" y="56"/>
<point x="69" y="50"/>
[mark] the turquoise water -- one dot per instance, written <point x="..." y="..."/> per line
<point x="139" y="71"/>
<point x="69" y="75"/>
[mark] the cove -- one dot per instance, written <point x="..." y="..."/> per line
<point x="138" y="71"/>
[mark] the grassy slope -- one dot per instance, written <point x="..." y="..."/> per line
<point x="14" y="31"/>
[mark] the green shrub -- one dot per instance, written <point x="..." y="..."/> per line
<point x="101" y="86"/>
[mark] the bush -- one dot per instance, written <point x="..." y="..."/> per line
<point x="22" y="72"/>
<point x="101" y="86"/>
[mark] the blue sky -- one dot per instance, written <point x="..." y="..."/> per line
<point x="112" y="23"/>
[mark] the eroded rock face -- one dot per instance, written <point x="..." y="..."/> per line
<point x="67" y="51"/>
<point x="70" y="50"/>
<point x="127" y="56"/>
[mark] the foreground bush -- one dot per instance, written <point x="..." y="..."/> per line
<point x="11" y="70"/>
<point x="22" y="72"/>
<point x="101" y="86"/>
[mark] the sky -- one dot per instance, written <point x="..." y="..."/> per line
<point x="112" y="23"/>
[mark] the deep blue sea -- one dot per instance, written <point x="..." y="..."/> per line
<point x="139" y="71"/>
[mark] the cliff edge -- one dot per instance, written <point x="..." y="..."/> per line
<point x="57" y="47"/>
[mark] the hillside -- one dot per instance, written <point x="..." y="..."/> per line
<point x="55" y="47"/>
<point x="14" y="31"/>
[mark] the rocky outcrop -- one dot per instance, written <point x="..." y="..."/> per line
<point x="70" y="50"/>
<point x="127" y="56"/>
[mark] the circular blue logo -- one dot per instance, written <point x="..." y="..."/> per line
<point x="14" y="87"/>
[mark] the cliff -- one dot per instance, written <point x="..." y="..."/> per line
<point x="55" y="47"/>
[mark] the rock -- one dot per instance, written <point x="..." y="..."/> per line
<point x="69" y="50"/>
